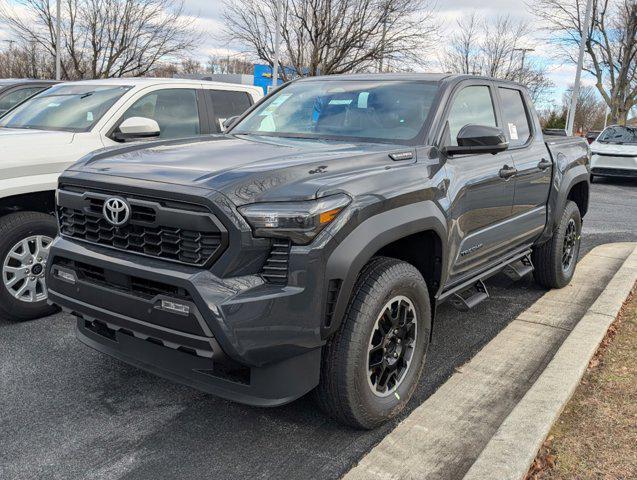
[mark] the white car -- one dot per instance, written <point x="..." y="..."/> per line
<point x="614" y="153"/>
<point x="49" y="132"/>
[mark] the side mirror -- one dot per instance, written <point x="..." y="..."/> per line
<point x="136" y="128"/>
<point x="228" y="123"/>
<point x="478" y="139"/>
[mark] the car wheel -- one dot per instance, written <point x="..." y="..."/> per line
<point x="555" y="260"/>
<point x="372" y="365"/>
<point x="25" y="238"/>
<point x="592" y="178"/>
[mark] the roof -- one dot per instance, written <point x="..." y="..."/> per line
<point x="20" y="81"/>
<point x="431" y="77"/>
<point x="145" y="82"/>
<point x="409" y="76"/>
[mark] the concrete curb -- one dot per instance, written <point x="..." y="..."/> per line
<point x="510" y="452"/>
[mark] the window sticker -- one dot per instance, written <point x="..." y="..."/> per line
<point x="513" y="131"/>
<point x="336" y="101"/>
<point x="363" y="99"/>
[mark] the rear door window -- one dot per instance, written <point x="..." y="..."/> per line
<point x="227" y="104"/>
<point x="473" y="105"/>
<point x="514" y="116"/>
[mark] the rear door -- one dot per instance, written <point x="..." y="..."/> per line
<point x="532" y="161"/>
<point x="481" y="197"/>
<point x="224" y="104"/>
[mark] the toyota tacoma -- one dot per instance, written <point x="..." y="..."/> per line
<point x="308" y="247"/>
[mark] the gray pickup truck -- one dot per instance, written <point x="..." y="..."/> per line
<point x="309" y="246"/>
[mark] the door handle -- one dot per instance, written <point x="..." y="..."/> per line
<point x="507" y="172"/>
<point x="544" y="164"/>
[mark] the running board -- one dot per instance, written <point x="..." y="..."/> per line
<point x="465" y="300"/>
<point x="519" y="269"/>
<point x="464" y="288"/>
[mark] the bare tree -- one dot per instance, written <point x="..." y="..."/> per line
<point x="230" y="64"/>
<point x="190" y="66"/>
<point x="590" y="111"/>
<point x="333" y="36"/>
<point x="483" y="46"/>
<point x="104" y="38"/>
<point x="611" y="47"/>
<point x="23" y="61"/>
<point x="463" y="53"/>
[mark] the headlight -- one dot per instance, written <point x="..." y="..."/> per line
<point x="298" y="221"/>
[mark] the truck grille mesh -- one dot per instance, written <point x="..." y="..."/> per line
<point x="142" y="235"/>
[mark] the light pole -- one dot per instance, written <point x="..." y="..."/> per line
<point x="58" y="43"/>
<point x="523" y="50"/>
<point x="578" y="74"/>
<point x="277" y="46"/>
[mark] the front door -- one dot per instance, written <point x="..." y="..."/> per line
<point x="480" y="188"/>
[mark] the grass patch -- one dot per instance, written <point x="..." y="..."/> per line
<point x="596" y="435"/>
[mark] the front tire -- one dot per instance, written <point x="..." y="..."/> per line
<point x="372" y="365"/>
<point x="25" y="238"/>
<point x="555" y="260"/>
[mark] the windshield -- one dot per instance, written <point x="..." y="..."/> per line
<point x="71" y="108"/>
<point x="619" y="135"/>
<point x="381" y="111"/>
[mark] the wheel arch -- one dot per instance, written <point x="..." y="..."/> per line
<point x="579" y="193"/>
<point x="42" y="201"/>
<point x="394" y="233"/>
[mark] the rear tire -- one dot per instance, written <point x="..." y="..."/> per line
<point x="24" y="241"/>
<point x="555" y="261"/>
<point x="372" y="365"/>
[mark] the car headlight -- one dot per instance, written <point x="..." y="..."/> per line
<point x="298" y="221"/>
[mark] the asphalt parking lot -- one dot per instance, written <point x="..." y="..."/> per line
<point x="69" y="412"/>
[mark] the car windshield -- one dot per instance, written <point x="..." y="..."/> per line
<point x="619" y="135"/>
<point x="71" y="108"/>
<point x="380" y="111"/>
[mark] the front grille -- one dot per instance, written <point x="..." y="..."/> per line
<point x="617" y="155"/>
<point x="617" y="172"/>
<point x="136" y="286"/>
<point x="153" y="230"/>
<point x="275" y="269"/>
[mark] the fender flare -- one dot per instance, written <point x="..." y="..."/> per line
<point x="557" y="201"/>
<point x="351" y="255"/>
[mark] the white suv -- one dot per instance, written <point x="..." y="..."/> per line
<point x="614" y="153"/>
<point x="54" y="129"/>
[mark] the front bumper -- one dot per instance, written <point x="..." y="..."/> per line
<point x="614" y="166"/>
<point x="240" y="339"/>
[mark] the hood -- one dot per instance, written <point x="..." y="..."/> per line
<point x="15" y="136"/>
<point x="37" y="151"/>
<point x="245" y="168"/>
<point x="613" y="148"/>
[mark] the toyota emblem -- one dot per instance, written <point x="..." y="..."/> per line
<point x="116" y="211"/>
